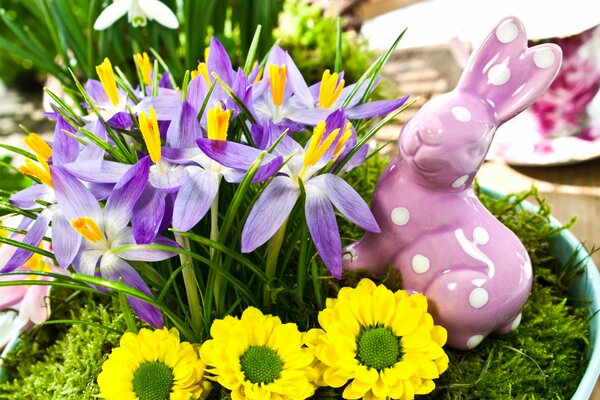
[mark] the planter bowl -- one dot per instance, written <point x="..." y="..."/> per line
<point x="586" y="287"/>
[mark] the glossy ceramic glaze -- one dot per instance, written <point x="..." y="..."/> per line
<point x="475" y="272"/>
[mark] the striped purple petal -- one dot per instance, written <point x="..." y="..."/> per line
<point x="346" y="200"/>
<point x="116" y="269"/>
<point x="270" y="211"/>
<point x="323" y="229"/>
<point x="33" y="238"/>
<point x="375" y="108"/>
<point x="126" y="238"/>
<point x="148" y="214"/>
<point x="194" y="198"/>
<point x="74" y="199"/>
<point x="26" y="199"/>
<point x="124" y="196"/>
<point x="66" y="241"/>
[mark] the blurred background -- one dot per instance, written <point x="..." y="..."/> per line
<point x="554" y="145"/>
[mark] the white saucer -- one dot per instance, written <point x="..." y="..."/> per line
<point x="519" y="143"/>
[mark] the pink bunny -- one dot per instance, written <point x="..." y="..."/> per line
<point x="475" y="272"/>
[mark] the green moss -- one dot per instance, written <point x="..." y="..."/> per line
<point x="62" y="361"/>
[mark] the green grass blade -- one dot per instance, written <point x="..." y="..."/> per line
<point x="252" y="51"/>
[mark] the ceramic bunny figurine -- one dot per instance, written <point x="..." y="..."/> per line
<point x="446" y="245"/>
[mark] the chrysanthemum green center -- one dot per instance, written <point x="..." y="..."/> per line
<point x="261" y="364"/>
<point x="378" y="348"/>
<point x="153" y="380"/>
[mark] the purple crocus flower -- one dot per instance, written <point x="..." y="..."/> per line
<point x="282" y="94"/>
<point x="331" y="93"/>
<point x="64" y="150"/>
<point x="88" y="236"/>
<point x="323" y="190"/>
<point x="204" y="173"/>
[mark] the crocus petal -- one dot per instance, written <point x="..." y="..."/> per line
<point x="33" y="238"/>
<point x="36" y="304"/>
<point x="156" y="10"/>
<point x="110" y="14"/>
<point x="166" y="107"/>
<point x="120" y="120"/>
<point x="148" y="214"/>
<point x="219" y="62"/>
<point x="165" y="81"/>
<point x="65" y="149"/>
<point x="96" y="91"/>
<point x="269" y="212"/>
<point x="194" y="198"/>
<point x="240" y="156"/>
<point x="185" y="130"/>
<point x="346" y="200"/>
<point x="375" y="108"/>
<point x="323" y="229"/>
<point x="101" y="191"/>
<point x="312" y="117"/>
<point x="66" y="241"/>
<point x="298" y="84"/>
<point x="126" y="238"/>
<point x="86" y="261"/>
<point x="74" y="199"/>
<point x="92" y="152"/>
<point x="124" y="196"/>
<point x="116" y="269"/>
<point x="168" y="214"/>
<point x="26" y="199"/>
<point x="92" y="171"/>
<point x="180" y="156"/>
<point x="197" y="91"/>
<point x="168" y="177"/>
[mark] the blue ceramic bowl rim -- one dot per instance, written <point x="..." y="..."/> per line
<point x="586" y="286"/>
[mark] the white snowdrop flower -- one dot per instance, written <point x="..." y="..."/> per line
<point x="138" y="13"/>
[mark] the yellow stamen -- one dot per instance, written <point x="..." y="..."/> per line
<point x="206" y="54"/>
<point x="42" y="173"/>
<point x="202" y="70"/>
<point x="38" y="146"/>
<point x="145" y="66"/>
<point x="259" y="74"/>
<point x="317" y="146"/>
<point x="341" y="144"/>
<point x="277" y="76"/>
<point x="107" y="78"/>
<point x="87" y="228"/>
<point x="330" y="89"/>
<point x="218" y="123"/>
<point x="151" y="134"/>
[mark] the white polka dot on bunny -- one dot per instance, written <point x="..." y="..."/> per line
<point x="498" y="75"/>
<point x="507" y="32"/>
<point x="543" y="58"/>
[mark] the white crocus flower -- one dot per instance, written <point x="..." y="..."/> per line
<point x="138" y="12"/>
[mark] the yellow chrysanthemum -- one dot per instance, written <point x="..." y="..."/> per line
<point x="257" y="357"/>
<point x="383" y="345"/>
<point x="153" y="365"/>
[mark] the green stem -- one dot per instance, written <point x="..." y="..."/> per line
<point x="273" y="248"/>
<point x="214" y="236"/>
<point x="302" y="262"/>
<point x="191" y="287"/>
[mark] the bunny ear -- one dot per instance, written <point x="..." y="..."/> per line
<point x="508" y="75"/>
